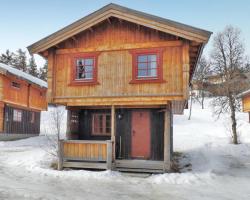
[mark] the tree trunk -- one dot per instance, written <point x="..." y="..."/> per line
<point x="202" y="99"/>
<point x="190" y="110"/>
<point x="233" y="120"/>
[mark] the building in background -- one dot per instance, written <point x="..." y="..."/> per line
<point x="22" y="98"/>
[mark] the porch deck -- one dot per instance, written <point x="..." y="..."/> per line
<point x="90" y="154"/>
<point x="85" y="154"/>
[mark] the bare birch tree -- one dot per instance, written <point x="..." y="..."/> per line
<point x="202" y="71"/>
<point x="228" y="62"/>
<point x="55" y="128"/>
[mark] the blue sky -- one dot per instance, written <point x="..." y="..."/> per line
<point x="23" y="22"/>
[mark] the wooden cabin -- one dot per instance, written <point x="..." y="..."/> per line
<point x="246" y="102"/>
<point x="22" y="97"/>
<point x="122" y="74"/>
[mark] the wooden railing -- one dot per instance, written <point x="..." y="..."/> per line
<point x="91" y="151"/>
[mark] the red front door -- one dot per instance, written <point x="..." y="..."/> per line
<point x="140" y="135"/>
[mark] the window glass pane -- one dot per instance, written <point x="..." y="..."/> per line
<point x="152" y="72"/>
<point x="142" y="73"/>
<point x="88" y="68"/>
<point x="142" y="58"/>
<point x="142" y="66"/>
<point x="80" y="62"/>
<point x="152" y="65"/>
<point x="89" y="61"/>
<point x="108" y="124"/>
<point x="17" y="115"/>
<point x="100" y="124"/>
<point x="151" y="58"/>
<point x="88" y="75"/>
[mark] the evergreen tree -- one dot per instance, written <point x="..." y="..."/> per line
<point x="32" y="67"/>
<point x="43" y="71"/>
<point x="21" y="60"/>
<point x="7" y="58"/>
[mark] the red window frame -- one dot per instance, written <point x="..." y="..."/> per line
<point x="80" y="82"/>
<point x="99" y="128"/>
<point x="159" y="65"/>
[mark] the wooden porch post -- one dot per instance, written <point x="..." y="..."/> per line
<point x="68" y="135"/>
<point x="113" y="131"/>
<point x="109" y="154"/>
<point x="167" y="140"/>
<point x="60" y="155"/>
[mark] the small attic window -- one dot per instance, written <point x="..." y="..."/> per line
<point x="15" y="85"/>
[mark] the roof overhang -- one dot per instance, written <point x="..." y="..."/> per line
<point x="123" y="13"/>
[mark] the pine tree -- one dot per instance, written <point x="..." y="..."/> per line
<point x="32" y="67"/>
<point x="7" y="57"/>
<point x="21" y="60"/>
<point x="43" y="71"/>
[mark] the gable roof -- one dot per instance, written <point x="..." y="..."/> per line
<point x="8" y="69"/>
<point x="114" y="10"/>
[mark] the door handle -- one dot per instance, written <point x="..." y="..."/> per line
<point x="133" y="132"/>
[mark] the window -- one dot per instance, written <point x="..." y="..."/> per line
<point x="84" y="69"/>
<point x="17" y="115"/>
<point x="147" y="66"/>
<point x="16" y="85"/>
<point x="32" y="118"/>
<point x="101" y="124"/>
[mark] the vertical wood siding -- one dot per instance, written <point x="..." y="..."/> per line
<point x="115" y="73"/>
<point x="246" y="103"/>
<point x="115" y="66"/>
<point x="85" y="151"/>
<point x="27" y="95"/>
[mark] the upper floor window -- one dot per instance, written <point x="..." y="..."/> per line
<point x="147" y="66"/>
<point x="84" y="69"/>
<point x="16" y="85"/>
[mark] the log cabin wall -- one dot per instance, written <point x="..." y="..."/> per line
<point x="26" y="95"/>
<point x="113" y="42"/>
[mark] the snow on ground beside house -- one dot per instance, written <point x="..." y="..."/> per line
<point x="220" y="170"/>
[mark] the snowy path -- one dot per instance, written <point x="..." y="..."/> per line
<point x="219" y="170"/>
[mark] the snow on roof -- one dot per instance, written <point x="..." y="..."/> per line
<point x="244" y="93"/>
<point x="20" y="74"/>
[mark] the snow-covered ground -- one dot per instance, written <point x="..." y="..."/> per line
<point x="219" y="169"/>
